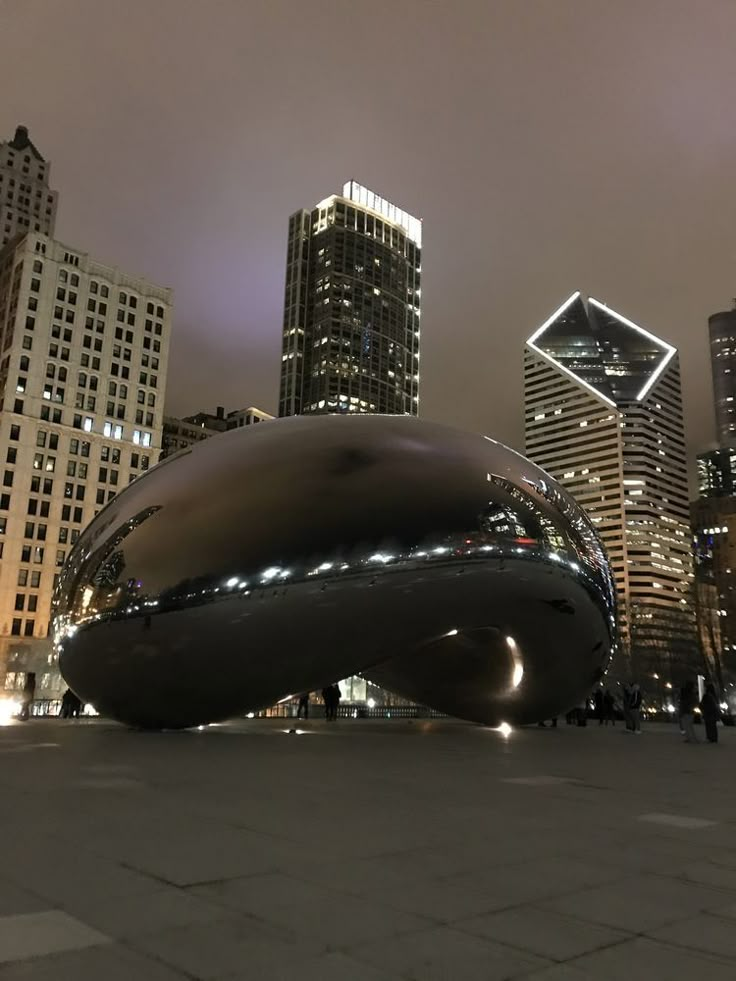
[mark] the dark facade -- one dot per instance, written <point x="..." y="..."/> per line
<point x="722" y="331"/>
<point x="352" y="308"/>
<point x="717" y="472"/>
<point x="714" y="545"/>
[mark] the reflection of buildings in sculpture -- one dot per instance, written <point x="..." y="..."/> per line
<point x="352" y="305"/>
<point x="603" y="415"/>
<point x="714" y="535"/>
<point x="485" y="622"/>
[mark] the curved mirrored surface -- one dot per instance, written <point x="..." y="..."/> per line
<point x="277" y="559"/>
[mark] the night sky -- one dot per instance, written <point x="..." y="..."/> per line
<point x="549" y="145"/>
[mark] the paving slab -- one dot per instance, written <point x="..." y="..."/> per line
<point x="375" y="851"/>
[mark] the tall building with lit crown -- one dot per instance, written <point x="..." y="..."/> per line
<point x="603" y="415"/>
<point x="82" y="381"/>
<point x="352" y="307"/>
<point x="27" y="203"/>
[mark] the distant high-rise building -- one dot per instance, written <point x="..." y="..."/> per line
<point x="722" y="330"/>
<point x="717" y="472"/>
<point x="179" y="434"/>
<point x="82" y="380"/>
<point x="352" y="307"/>
<point x="27" y="203"/>
<point x="714" y="537"/>
<point x="603" y="415"/>
<point x="246" y="417"/>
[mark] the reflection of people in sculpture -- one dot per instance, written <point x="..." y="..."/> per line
<point x="710" y="711"/>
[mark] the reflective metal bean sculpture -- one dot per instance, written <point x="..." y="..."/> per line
<point x="279" y="558"/>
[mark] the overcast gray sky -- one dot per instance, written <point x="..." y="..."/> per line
<point x="549" y="145"/>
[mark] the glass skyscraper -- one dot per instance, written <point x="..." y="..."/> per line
<point x="722" y="331"/>
<point x="352" y="307"/>
<point x="603" y="415"/>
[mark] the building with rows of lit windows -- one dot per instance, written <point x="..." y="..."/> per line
<point x="603" y="415"/>
<point x="83" y="361"/>
<point x="352" y="307"/>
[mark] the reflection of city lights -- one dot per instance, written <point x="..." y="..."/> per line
<point x="371" y="703"/>
<point x="232" y="582"/>
<point x="505" y="730"/>
<point x="452" y="633"/>
<point x="8" y="709"/>
<point x="518" y="672"/>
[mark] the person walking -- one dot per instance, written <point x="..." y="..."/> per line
<point x="66" y="705"/>
<point x="335" y="696"/>
<point x="688" y="701"/>
<point x="598" y="702"/>
<point x="635" y="709"/>
<point x="29" y="693"/>
<point x="302" y="711"/>
<point x="327" y="699"/>
<point x="609" y="707"/>
<point x="711" y="712"/>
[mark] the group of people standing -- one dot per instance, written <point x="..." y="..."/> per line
<point x="605" y="709"/>
<point x="331" y="696"/>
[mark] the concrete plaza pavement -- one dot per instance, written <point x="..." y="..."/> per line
<point x="365" y="851"/>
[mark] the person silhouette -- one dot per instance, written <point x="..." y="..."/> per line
<point x="711" y="712"/>
<point x="29" y="693"/>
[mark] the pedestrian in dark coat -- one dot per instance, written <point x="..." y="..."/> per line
<point x="29" y="693"/>
<point x="711" y="712"/>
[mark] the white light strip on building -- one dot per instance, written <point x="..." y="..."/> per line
<point x="556" y="364"/>
<point x="369" y="199"/>
<point x="667" y="349"/>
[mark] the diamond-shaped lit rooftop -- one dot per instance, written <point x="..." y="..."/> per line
<point x="615" y="357"/>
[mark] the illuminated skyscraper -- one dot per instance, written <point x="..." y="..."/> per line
<point x="722" y="331"/>
<point x="352" y="307"/>
<point x="603" y="415"/>
<point x="82" y="379"/>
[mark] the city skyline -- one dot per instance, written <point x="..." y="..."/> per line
<point x="640" y="210"/>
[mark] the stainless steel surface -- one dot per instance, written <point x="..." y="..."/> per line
<point x="279" y="558"/>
